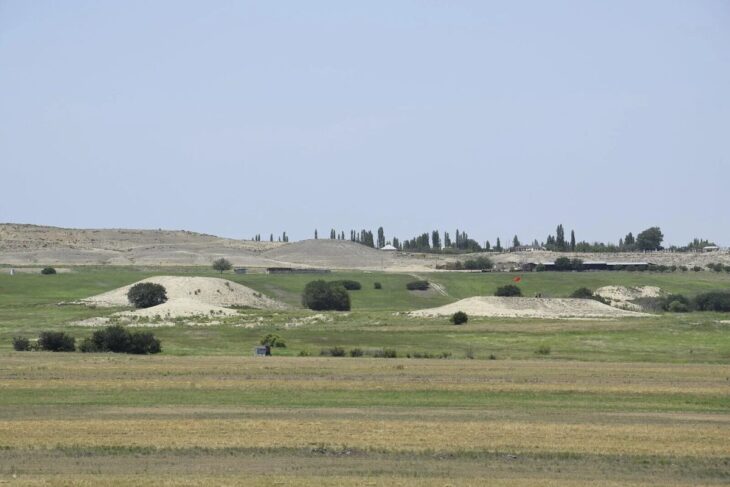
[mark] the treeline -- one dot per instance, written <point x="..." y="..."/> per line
<point x="650" y="239"/>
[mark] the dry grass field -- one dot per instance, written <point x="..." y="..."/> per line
<point x="339" y="421"/>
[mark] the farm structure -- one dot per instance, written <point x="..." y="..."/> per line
<point x="292" y="270"/>
<point x="591" y="266"/>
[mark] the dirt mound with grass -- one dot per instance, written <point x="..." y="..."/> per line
<point x="627" y="297"/>
<point x="528" y="308"/>
<point x="189" y="296"/>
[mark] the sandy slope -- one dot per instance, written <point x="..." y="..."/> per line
<point x="528" y="308"/>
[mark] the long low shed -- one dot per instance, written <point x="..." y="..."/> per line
<point x="592" y="266"/>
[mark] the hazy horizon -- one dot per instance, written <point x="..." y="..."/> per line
<point x="244" y="118"/>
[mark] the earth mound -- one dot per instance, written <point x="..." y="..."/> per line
<point x="528" y="308"/>
<point x="625" y="297"/>
<point x="189" y="296"/>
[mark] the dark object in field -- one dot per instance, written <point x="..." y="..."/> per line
<point x="273" y="340"/>
<point x="48" y="271"/>
<point x="348" y="284"/>
<point x="509" y="290"/>
<point x="377" y="285"/>
<point x="56" y="341"/>
<point x="118" y="339"/>
<point x="21" y="344"/>
<point x="418" y="286"/>
<point x="713" y="301"/>
<point x="459" y="318"/>
<point x="146" y="295"/>
<point x="323" y="296"/>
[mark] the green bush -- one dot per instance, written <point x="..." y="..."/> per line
<point x="356" y="352"/>
<point x="417" y="285"/>
<point x="582" y="293"/>
<point x="56" y="341"/>
<point x="347" y="284"/>
<point x="390" y="353"/>
<point x="322" y="296"/>
<point x="459" y="318"/>
<point x="677" y="307"/>
<point x="48" y="271"/>
<point x="146" y="295"/>
<point x="509" y="290"/>
<point x="117" y="339"/>
<point x="713" y="301"/>
<point x="697" y="268"/>
<point x="543" y="350"/>
<point x="21" y="344"/>
<point x="273" y="340"/>
<point x="675" y="298"/>
<point x="333" y="352"/>
<point x="480" y="263"/>
<point x="377" y="285"/>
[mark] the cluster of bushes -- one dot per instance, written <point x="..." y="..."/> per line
<point x="348" y="284"/>
<point x="48" y="341"/>
<point x="418" y="286"/>
<point x="358" y="352"/>
<point x="480" y="263"/>
<point x="710" y="301"/>
<point x="566" y="264"/>
<point x="585" y="293"/>
<point x="118" y="339"/>
<point x="375" y="353"/>
<point x="719" y="267"/>
<point x="46" y="271"/>
<point x="510" y="290"/>
<point x="114" y="338"/>
<point x="377" y="285"/>
<point x="326" y="296"/>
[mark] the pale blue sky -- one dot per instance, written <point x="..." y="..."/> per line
<point x="236" y="118"/>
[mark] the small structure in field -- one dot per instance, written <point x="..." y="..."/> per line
<point x="240" y="270"/>
<point x="262" y="351"/>
<point x="388" y="248"/>
<point x="711" y="248"/>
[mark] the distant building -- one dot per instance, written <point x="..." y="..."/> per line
<point x="240" y="270"/>
<point x="711" y="248"/>
<point x="388" y="248"/>
<point x="291" y="270"/>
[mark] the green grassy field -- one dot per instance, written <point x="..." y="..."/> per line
<point x="639" y="401"/>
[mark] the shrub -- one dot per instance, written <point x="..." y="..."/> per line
<point x="697" y="268"/>
<point x="677" y="307"/>
<point x="356" y="352"/>
<point x="21" y="344"/>
<point x="713" y="301"/>
<point x="322" y="296"/>
<point x="390" y="353"/>
<point x="118" y="339"/>
<point x="333" y="352"/>
<point x="543" y="350"/>
<point x="417" y="286"/>
<point x="509" y="290"/>
<point x="459" y="318"/>
<point x="347" y="284"/>
<point x="492" y="356"/>
<point x="480" y="263"/>
<point x="540" y="268"/>
<point x="683" y="268"/>
<point x="146" y="295"/>
<point x="377" y="285"/>
<point x="273" y="340"/>
<point x="143" y="343"/>
<point x="222" y="265"/>
<point x="56" y="341"/>
<point x="48" y="270"/>
<point x="304" y="353"/>
<point x="582" y="293"/>
<point x="675" y="298"/>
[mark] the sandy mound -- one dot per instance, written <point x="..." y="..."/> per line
<point x="624" y="297"/>
<point x="528" y="308"/>
<point x="189" y="296"/>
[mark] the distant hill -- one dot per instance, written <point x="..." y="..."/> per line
<point x="43" y="245"/>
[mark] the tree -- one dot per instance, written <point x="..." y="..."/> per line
<point x="447" y="240"/>
<point x="315" y="234"/>
<point x="221" y="265"/>
<point x="572" y="240"/>
<point x="560" y="237"/>
<point x="146" y="295"/>
<point x="509" y="290"/>
<point x="498" y="247"/>
<point x="459" y="318"/>
<point x="436" y="240"/>
<point x="381" y="238"/>
<point x="487" y="246"/>
<point x="321" y="296"/>
<point x="515" y="242"/>
<point x="650" y="239"/>
<point x="271" y="237"/>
